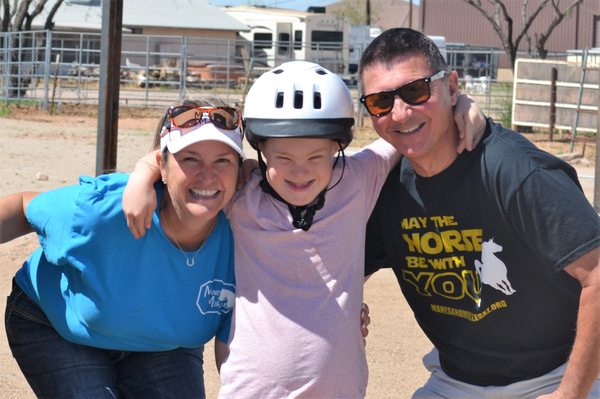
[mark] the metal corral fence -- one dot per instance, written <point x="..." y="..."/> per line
<point x="561" y="95"/>
<point x="51" y="68"/>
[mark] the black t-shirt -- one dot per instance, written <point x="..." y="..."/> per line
<point x="479" y="250"/>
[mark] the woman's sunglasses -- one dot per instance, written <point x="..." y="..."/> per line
<point x="416" y="92"/>
<point x="188" y="115"/>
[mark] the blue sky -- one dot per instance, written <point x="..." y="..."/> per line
<point x="301" y="5"/>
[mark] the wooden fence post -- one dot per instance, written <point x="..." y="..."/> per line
<point x="553" y="78"/>
<point x="110" y="79"/>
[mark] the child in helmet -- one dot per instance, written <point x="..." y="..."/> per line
<point x="299" y="233"/>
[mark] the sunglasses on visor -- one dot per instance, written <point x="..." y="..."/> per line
<point x="188" y="115"/>
<point x="416" y="92"/>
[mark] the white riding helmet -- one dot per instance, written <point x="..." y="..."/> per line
<point x="299" y="99"/>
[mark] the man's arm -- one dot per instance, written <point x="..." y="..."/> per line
<point x="13" y="222"/>
<point x="584" y="362"/>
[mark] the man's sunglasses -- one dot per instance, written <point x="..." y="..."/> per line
<point x="416" y="92"/>
<point x="188" y="115"/>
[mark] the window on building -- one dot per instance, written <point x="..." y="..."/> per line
<point x="284" y="43"/>
<point x="321" y="39"/>
<point x="263" y="41"/>
<point x="298" y="40"/>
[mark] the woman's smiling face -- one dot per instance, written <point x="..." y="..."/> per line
<point x="201" y="178"/>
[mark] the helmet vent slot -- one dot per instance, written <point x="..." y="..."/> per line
<point x="321" y="72"/>
<point x="317" y="100"/>
<point x="279" y="100"/>
<point x="298" y="99"/>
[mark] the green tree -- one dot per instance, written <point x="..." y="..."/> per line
<point x="503" y="24"/>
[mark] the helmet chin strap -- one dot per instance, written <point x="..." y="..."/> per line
<point x="302" y="216"/>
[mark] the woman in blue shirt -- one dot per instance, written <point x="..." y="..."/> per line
<point x="97" y="313"/>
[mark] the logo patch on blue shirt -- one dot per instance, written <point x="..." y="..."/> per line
<point x="215" y="296"/>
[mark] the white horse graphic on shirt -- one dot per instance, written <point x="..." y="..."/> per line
<point x="492" y="271"/>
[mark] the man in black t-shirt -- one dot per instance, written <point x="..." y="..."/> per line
<point x="497" y="250"/>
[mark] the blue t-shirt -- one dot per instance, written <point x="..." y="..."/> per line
<point x="101" y="287"/>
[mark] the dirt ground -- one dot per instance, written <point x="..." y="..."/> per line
<point x="40" y="152"/>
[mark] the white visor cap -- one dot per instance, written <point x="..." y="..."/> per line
<point x="176" y="139"/>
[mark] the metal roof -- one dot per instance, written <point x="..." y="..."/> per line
<point x="179" y="14"/>
<point x="266" y="10"/>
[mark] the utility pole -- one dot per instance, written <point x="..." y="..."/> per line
<point x="108" y="97"/>
<point x="410" y="8"/>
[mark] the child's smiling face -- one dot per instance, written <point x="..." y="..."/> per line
<point x="298" y="169"/>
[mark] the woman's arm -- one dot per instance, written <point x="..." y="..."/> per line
<point x="13" y="222"/>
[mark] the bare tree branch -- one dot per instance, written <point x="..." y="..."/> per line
<point x="49" y="24"/>
<point x="14" y="8"/>
<point x="38" y="8"/>
<point x="527" y="25"/>
<point x="15" y="15"/>
<point x="34" y="13"/>
<point x="527" y="37"/>
<point x="559" y="15"/>
<point x="5" y="16"/>
<point x="502" y="23"/>
<point x="494" y="20"/>
<point x="21" y="13"/>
